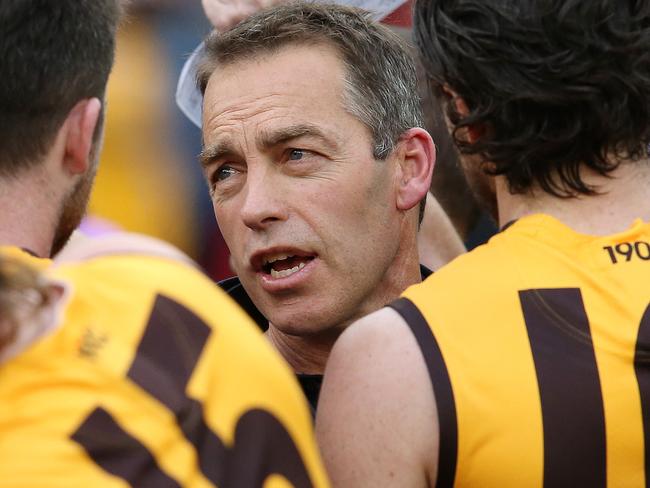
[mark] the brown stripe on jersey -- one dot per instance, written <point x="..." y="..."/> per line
<point x="642" y="369"/>
<point x="166" y="357"/>
<point x="443" y="392"/>
<point x="120" y="454"/>
<point x="569" y="386"/>
<point x="264" y="447"/>
<point x="170" y="347"/>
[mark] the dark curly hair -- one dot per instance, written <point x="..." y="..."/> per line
<point x="555" y="84"/>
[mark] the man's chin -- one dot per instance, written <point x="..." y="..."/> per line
<point x="297" y="327"/>
<point x="306" y="324"/>
<point x="309" y="314"/>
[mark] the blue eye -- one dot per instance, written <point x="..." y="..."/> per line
<point x="296" y="154"/>
<point x="224" y="172"/>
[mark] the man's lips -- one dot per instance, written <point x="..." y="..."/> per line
<point x="279" y="259"/>
<point x="282" y="268"/>
<point x="288" y="281"/>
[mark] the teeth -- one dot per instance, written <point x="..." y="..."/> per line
<point x="286" y="272"/>
<point x="276" y="257"/>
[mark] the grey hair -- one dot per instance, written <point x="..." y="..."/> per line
<point x="387" y="112"/>
<point x="380" y="86"/>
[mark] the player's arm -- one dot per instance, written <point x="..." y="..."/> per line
<point x="438" y="241"/>
<point x="82" y="248"/>
<point x="376" y="422"/>
<point x="225" y="14"/>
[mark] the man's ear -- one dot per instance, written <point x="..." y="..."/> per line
<point x="417" y="157"/>
<point x="80" y="130"/>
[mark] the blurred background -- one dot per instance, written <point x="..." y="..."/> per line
<point x="149" y="179"/>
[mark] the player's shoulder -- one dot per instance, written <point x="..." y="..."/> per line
<point x="134" y="297"/>
<point x="481" y="280"/>
<point x="82" y="248"/>
<point x="128" y="257"/>
<point x="126" y="290"/>
<point x="489" y="261"/>
<point x="132" y="271"/>
<point x="378" y="341"/>
<point x="133" y="263"/>
<point x="374" y="366"/>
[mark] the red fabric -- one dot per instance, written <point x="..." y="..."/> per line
<point x="216" y="262"/>
<point x="402" y="17"/>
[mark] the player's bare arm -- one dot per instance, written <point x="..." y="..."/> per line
<point x="438" y="240"/>
<point x="377" y="423"/>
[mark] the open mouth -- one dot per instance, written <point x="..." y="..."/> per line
<point x="283" y="265"/>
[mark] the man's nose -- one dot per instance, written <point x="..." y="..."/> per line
<point x="264" y="202"/>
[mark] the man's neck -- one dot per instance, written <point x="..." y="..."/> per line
<point x="308" y="354"/>
<point x="28" y="214"/>
<point x="305" y="355"/>
<point x="621" y="198"/>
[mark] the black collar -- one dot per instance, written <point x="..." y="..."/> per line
<point x="234" y="288"/>
<point x="309" y="383"/>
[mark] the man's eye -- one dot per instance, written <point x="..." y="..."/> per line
<point x="296" y="154"/>
<point x="223" y="173"/>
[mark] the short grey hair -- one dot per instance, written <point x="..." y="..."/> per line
<point x="380" y="86"/>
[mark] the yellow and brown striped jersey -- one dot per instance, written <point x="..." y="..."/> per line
<point x="154" y="378"/>
<point x="538" y="347"/>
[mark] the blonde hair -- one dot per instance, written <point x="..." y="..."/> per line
<point x="23" y="292"/>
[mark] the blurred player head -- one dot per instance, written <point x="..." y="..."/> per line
<point x="55" y="57"/>
<point x="27" y="300"/>
<point x="316" y="163"/>
<point x="540" y="92"/>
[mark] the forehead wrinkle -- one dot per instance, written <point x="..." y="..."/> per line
<point x="246" y="107"/>
<point x="234" y="116"/>
<point x="246" y="113"/>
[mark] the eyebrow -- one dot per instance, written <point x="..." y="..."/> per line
<point x="279" y="136"/>
<point x="267" y="140"/>
<point x="216" y="151"/>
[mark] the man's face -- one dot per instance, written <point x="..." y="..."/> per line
<point x="307" y="212"/>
